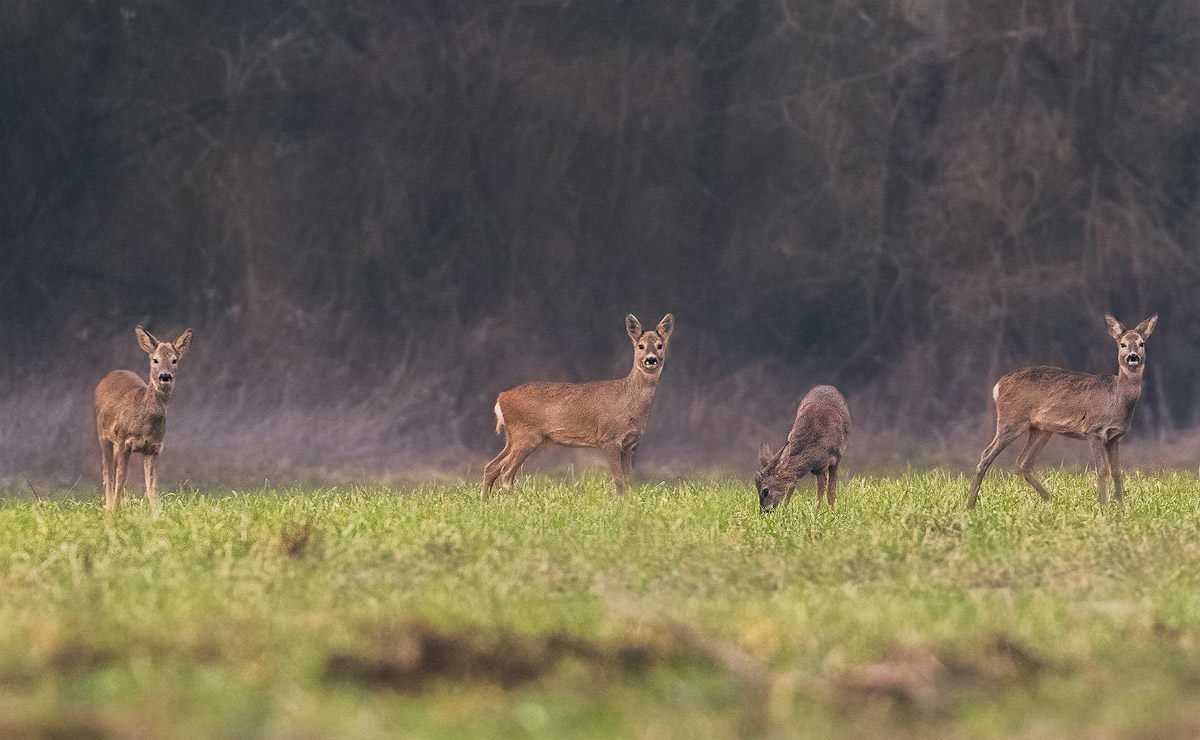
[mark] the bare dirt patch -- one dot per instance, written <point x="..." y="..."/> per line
<point x="926" y="682"/>
<point x="414" y="658"/>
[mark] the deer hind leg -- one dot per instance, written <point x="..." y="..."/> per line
<point x="1005" y="435"/>
<point x="492" y="470"/>
<point x="1114" y="464"/>
<point x="150" y="467"/>
<point x="615" y="455"/>
<point x="517" y="455"/>
<point x="1037" y="440"/>
<point x="122" y="469"/>
<point x="1100" y="455"/>
<point x="108" y="462"/>
<point x="822" y="477"/>
<point x="831" y="492"/>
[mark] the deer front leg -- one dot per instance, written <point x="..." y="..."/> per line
<point x="613" y="454"/>
<point x="150" y="467"/>
<point x="121" y="452"/>
<point x="831" y="492"/>
<point x="108" y="461"/>
<point x="1100" y="455"/>
<point x="1114" y="464"/>
<point x="627" y="459"/>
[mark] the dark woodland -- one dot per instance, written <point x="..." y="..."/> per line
<point x="377" y="215"/>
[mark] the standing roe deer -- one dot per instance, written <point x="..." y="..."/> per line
<point x="131" y="416"/>
<point x="815" y="444"/>
<point x="1048" y="400"/>
<point x="608" y="414"/>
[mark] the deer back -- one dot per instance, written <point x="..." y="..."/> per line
<point x="822" y="426"/>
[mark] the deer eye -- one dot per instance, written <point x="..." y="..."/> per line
<point x="641" y="346"/>
<point x="1123" y="345"/>
<point x="1141" y="344"/>
<point x="659" y="346"/>
<point x="174" y="360"/>
<point x="154" y="360"/>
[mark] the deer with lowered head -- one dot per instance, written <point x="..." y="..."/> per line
<point x="815" y="445"/>
<point x="1045" y="401"/>
<point x="131" y="416"/>
<point x="609" y="414"/>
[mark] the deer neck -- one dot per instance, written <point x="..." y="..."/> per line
<point x="640" y="387"/>
<point x="1129" y="387"/>
<point x="155" y="400"/>
<point x="1129" y="382"/>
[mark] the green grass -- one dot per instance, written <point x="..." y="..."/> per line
<point x="559" y="611"/>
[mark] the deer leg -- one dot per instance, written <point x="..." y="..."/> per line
<point x="627" y="460"/>
<point x="1114" y="464"/>
<point x="516" y="458"/>
<point x="821" y="477"/>
<point x="122" y="468"/>
<point x="108" y="462"/>
<point x="1100" y="455"/>
<point x="831" y="492"/>
<point x="150" y="467"/>
<point x="492" y="470"/>
<point x="1005" y="435"/>
<point x="614" y="456"/>
<point x="1037" y="440"/>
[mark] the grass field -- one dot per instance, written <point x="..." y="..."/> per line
<point x="560" y="611"/>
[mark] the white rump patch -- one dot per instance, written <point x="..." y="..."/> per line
<point x="995" y="395"/>
<point x="499" y="417"/>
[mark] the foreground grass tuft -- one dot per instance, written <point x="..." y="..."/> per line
<point x="560" y="611"/>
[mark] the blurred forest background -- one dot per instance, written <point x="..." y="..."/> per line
<point x="377" y="215"/>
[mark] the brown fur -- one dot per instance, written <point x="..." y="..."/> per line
<point x="1045" y="401"/>
<point x="131" y="416"/>
<point x="610" y="414"/>
<point x="815" y="445"/>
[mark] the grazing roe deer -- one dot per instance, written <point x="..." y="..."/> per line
<point x="131" y="416"/>
<point x="608" y="414"/>
<point x="815" y="445"/>
<point x="1048" y="400"/>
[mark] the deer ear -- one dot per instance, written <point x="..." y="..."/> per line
<point x="183" y="342"/>
<point x="146" y="340"/>
<point x="785" y="454"/>
<point x="1146" y="328"/>
<point x="634" y="327"/>
<point x="665" y="327"/>
<point x="1116" y="328"/>
<point x="764" y="455"/>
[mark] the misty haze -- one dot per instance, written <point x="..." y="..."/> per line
<point x="377" y="216"/>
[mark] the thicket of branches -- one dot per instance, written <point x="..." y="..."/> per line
<point x="378" y="214"/>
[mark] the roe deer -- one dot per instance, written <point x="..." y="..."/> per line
<point x="1048" y="400"/>
<point x="608" y="414"/>
<point x="815" y="445"/>
<point x="131" y="416"/>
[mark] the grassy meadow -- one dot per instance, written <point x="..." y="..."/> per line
<point x="560" y="611"/>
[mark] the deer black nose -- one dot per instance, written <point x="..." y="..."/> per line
<point x="651" y="360"/>
<point x="165" y="377"/>
<point x="1134" y="358"/>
